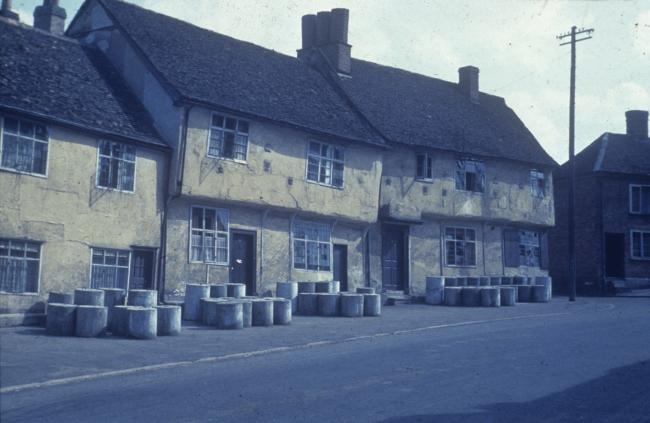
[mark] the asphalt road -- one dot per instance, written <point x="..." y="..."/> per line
<point x="589" y="363"/>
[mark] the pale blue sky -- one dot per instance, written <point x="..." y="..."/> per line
<point x="512" y="42"/>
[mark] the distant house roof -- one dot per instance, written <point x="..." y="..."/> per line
<point x="422" y="111"/>
<point x="208" y="67"/>
<point x="55" y="78"/>
<point x="613" y="153"/>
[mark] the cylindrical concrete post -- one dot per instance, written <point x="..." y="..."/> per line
<point x="307" y="303"/>
<point x="471" y="296"/>
<point x="506" y="280"/>
<point x="449" y="281"/>
<point x="230" y="314"/>
<point x="462" y="281"/>
<point x="142" y="298"/>
<point x="119" y="321"/>
<point x="112" y="297"/>
<point x="352" y="305"/>
<point x="247" y="311"/>
<point x="236" y="290"/>
<point x="193" y="295"/>
<point x="219" y="290"/>
<point x="453" y="295"/>
<point x="472" y="281"/>
<point x="60" y="298"/>
<point x="262" y="312"/>
<point x="324" y="287"/>
<point x="329" y="304"/>
<point x="491" y="297"/>
<point x="372" y="305"/>
<point x="336" y="287"/>
<point x="495" y="281"/>
<point x="484" y="281"/>
<point x="281" y="311"/>
<point x="169" y="320"/>
<point x="307" y="287"/>
<point x="539" y="294"/>
<point x="209" y="310"/>
<point x="288" y="290"/>
<point x="60" y="319"/>
<point x="524" y="293"/>
<point x="519" y="280"/>
<point x="143" y="322"/>
<point x="435" y="288"/>
<point x="91" y="321"/>
<point x="93" y="297"/>
<point x="508" y="295"/>
<point x="365" y="290"/>
<point x="548" y="284"/>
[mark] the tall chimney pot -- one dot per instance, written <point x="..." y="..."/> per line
<point x="637" y="123"/>
<point x="468" y="82"/>
<point x="322" y="28"/>
<point x="7" y="13"/>
<point x="50" y="17"/>
<point x="308" y="31"/>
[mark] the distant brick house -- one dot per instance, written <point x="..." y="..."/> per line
<point x="612" y="209"/>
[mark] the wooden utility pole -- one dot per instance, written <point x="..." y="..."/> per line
<point x="572" y="170"/>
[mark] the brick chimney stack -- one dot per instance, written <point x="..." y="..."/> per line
<point x="468" y="82"/>
<point x="7" y="13"/>
<point x="50" y="17"/>
<point x="637" y="123"/>
<point x="328" y="33"/>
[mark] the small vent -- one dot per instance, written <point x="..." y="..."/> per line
<point x="267" y="166"/>
<point x="290" y="180"/>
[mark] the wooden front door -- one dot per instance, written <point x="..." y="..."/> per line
<point x="394" y="267"/>
<point x="242" y="260"/>
<point x="340" y="265"/>
<point x="142" y="269"/>
<point x="615" y="255"/>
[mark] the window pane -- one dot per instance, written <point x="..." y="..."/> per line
<point x="420" y="166"/>
<point x="16" y="249"/>
<point x="243" y="127"/>
<point x="450" y="233"/>
<point x="312" y="255"/>
<point x="197" y="246"/>
<point x="241" y="142"/>
<point x="110" y="258"/>
<point x="324" y="257"/>
<point x="470" y="234"/>
<point x="217" y="120"/>
<point x="129" y="153"/>
<point x="117" y="150"/>
<point x="222" y="248"/>
<point x="298" y="230"/>
<point x="337" y="175"/>
<point x="299" y="254"/>
<point x="451" y="250"/>
<point x="40" y="132"/>
<point x="126" y="177"/>
<point x="228" y="145"/>
<point x="636" y="244"/>
<point x="325" y="150"/>
<point x="105" y="148"/>
<point x="231" y="123"/>
<point x="10" y="125"/>
<point x="470" y="254"/>
<point x="216" y="140"/>
<point x="98" y="256"/>
<point x="338" y="154"/>
<point x="325" y="171"/>
<point x="31" y="250"/>
<point x="27" y="129"/>
<point x="114" y="173"/>
<point x="312" y="169"/>
<point x="24" y="155"/>
<point x="222" y="221"/>
<point x="314" y="148"/>
<point x="470" y="181"/>
<point x="9" y="150"/>
<point x="209" y="219"/>
<point x="122" y="258"/>
<point x="4" y="247"/>
<point x="40" y="158"/>
<point x="460" y="179"/>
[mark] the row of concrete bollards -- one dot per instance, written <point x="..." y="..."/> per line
<point x="324" y="299"/>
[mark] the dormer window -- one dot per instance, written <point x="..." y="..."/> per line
<point x="424" y="167"/>
<point x="24" y="146"/>
<point x="228" y="138"/>
<point x="537" y="183"/>
<point x="470" y="175"/>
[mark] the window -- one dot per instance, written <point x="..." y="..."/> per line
<point x="529" y="249"/>
<point x="116" y="166"/>
<point x="640" y="199"/>
<point x="311" y="245"/>
<point x="537" y="183"/>
<point x="209" y="239"/>
<point x="470" y="176"/>
<point x="109" y="269"/>
<point x="641" y="245"/>
<point x="460" y="245"/>
<point x="424" y="167"/>
<point x="24" y="146"/>
<point x="19" y="266"/>
<point x="228" y="138"/>
<point x="325" y="164"/>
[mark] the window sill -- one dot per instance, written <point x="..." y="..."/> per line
<point x="22" y="172"/>
<point x="21" y="294"/>
<point x="238" y="161"/>
<point x="114" y="190"/>
<point x="211" y="263"/>
<point x="459" y="266"/>
<point x="468" y="192"/>
<point x="326" y="185"/>
<point x="424" y="180"/>
<point x="312" y="270"/>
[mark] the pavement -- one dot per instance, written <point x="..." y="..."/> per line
<point x="582" y="361"/>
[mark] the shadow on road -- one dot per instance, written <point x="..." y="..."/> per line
<point x="623" y="394"/>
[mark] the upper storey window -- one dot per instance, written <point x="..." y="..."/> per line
<point x="640" y="199"/>
<point x="470" y="175"/>
<point x="116" y="166"/>
<point x="228" y="138"/>
<point x="424" y="167"/>
<point x="24" y="146"/>
<point x="325" y="164"/>
<point x="537" y="183"/>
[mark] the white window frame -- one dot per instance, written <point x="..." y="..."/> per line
<point x="307" y="241"/>
<point x="216" y="233"/>
<point x="645" y="255"/>
<point x="640" y="187"/>
<point x="525" y="238"/>
<point x="536" y="191"/>
<point x="428" y="167"/>
<point x="40" y="264"/>
<point x="47" y="157"/>
<point x="117" y="251"/>
<point x="134" y="161"/>
<point x="330" y="159"/>
<point x="223" y="129"/>
<point x="464" y="241"/>
<point x="465" y="162"/>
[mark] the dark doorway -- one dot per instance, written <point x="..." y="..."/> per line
<point x="142" y="269"/>
<point x="615" y="255"/>
<point x="242" y="260"/>
<point x="340" y="265"/>
<point x="394" y="245"/>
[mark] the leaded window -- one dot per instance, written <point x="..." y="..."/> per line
<point x="470" y="176"/>
<point x="312" y="245"/>
<point x="228" y="138"/>
<point x="24" y="146"/>
<point x="529" y="249"/>
<point x="325" y="164"/>
<point x="424" y="167"/>
<point x="110" y="268"/>
<point x="537" y="183"/>
<point x="640" y="244"/>
<point x="209" y="238"/>
<point x="460" y="246"/>
<point x="640" y="199"/>
<point x="19" y="266"/>
<point x="116" y="166"/>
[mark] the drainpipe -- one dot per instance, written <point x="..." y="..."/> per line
<point x="291" y="220"/>
<point x="263" y="219"/>
<point x="366" y="242"/>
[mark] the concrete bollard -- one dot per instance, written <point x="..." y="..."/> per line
<point x="169" y="320"/>
<point x="60" y="319"/>
<point x="120" y="321"/>
<point x="307" y="303"/>
<point x="288" y="290"/>
<point x="472" y="281"/>
<point x="112" y="297"/>
<point x="143" y="322"/>
<point x="435" y="288"/>
<point x="193" y="295"/>
<point x="506" y="280"/>
<point x="229" y="314"/>
<point x="495" y="281"/>
<point x="548" y="284"/>
<point x="307" y="287"/>
<point x="471" y="296"/>
<point x="462" y="281"/>
<point x="329" y="304"/>
<point x="352" y="305"/>
<point x="491" y="297"/>
<point x="91" y="321"/>
<point x="219" y="290"/>
<point x="371" y="305"/>
<point x="336" y="287"/>
<point x="524" y="293"/>
<point x="484" y="281"/>
<point x="247" y="311"/>
<point x="236" y="290"/>
<point x="142" y="298"/>
<point x="60" y="298"/>
<point x="519" y="280"/>
<point x="209" y="310"/>
<point x="324" y="287"/>
<point x="449" y="281"/>
<point x="93" y="297"/>
<point x="281" y="311"/>
<point x="453" y="295"/>
<point x="539" y="294"/>
<point x="365" y="290"/>
<point x="262" y="312"/>
<point x="508" y="295"/>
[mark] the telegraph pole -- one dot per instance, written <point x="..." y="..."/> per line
<point x="572" y="170"/>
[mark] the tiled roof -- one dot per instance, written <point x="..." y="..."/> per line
<point x="414" y="109"/>
<point x="56" y="78"/>
<point x="208" y="67"/>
